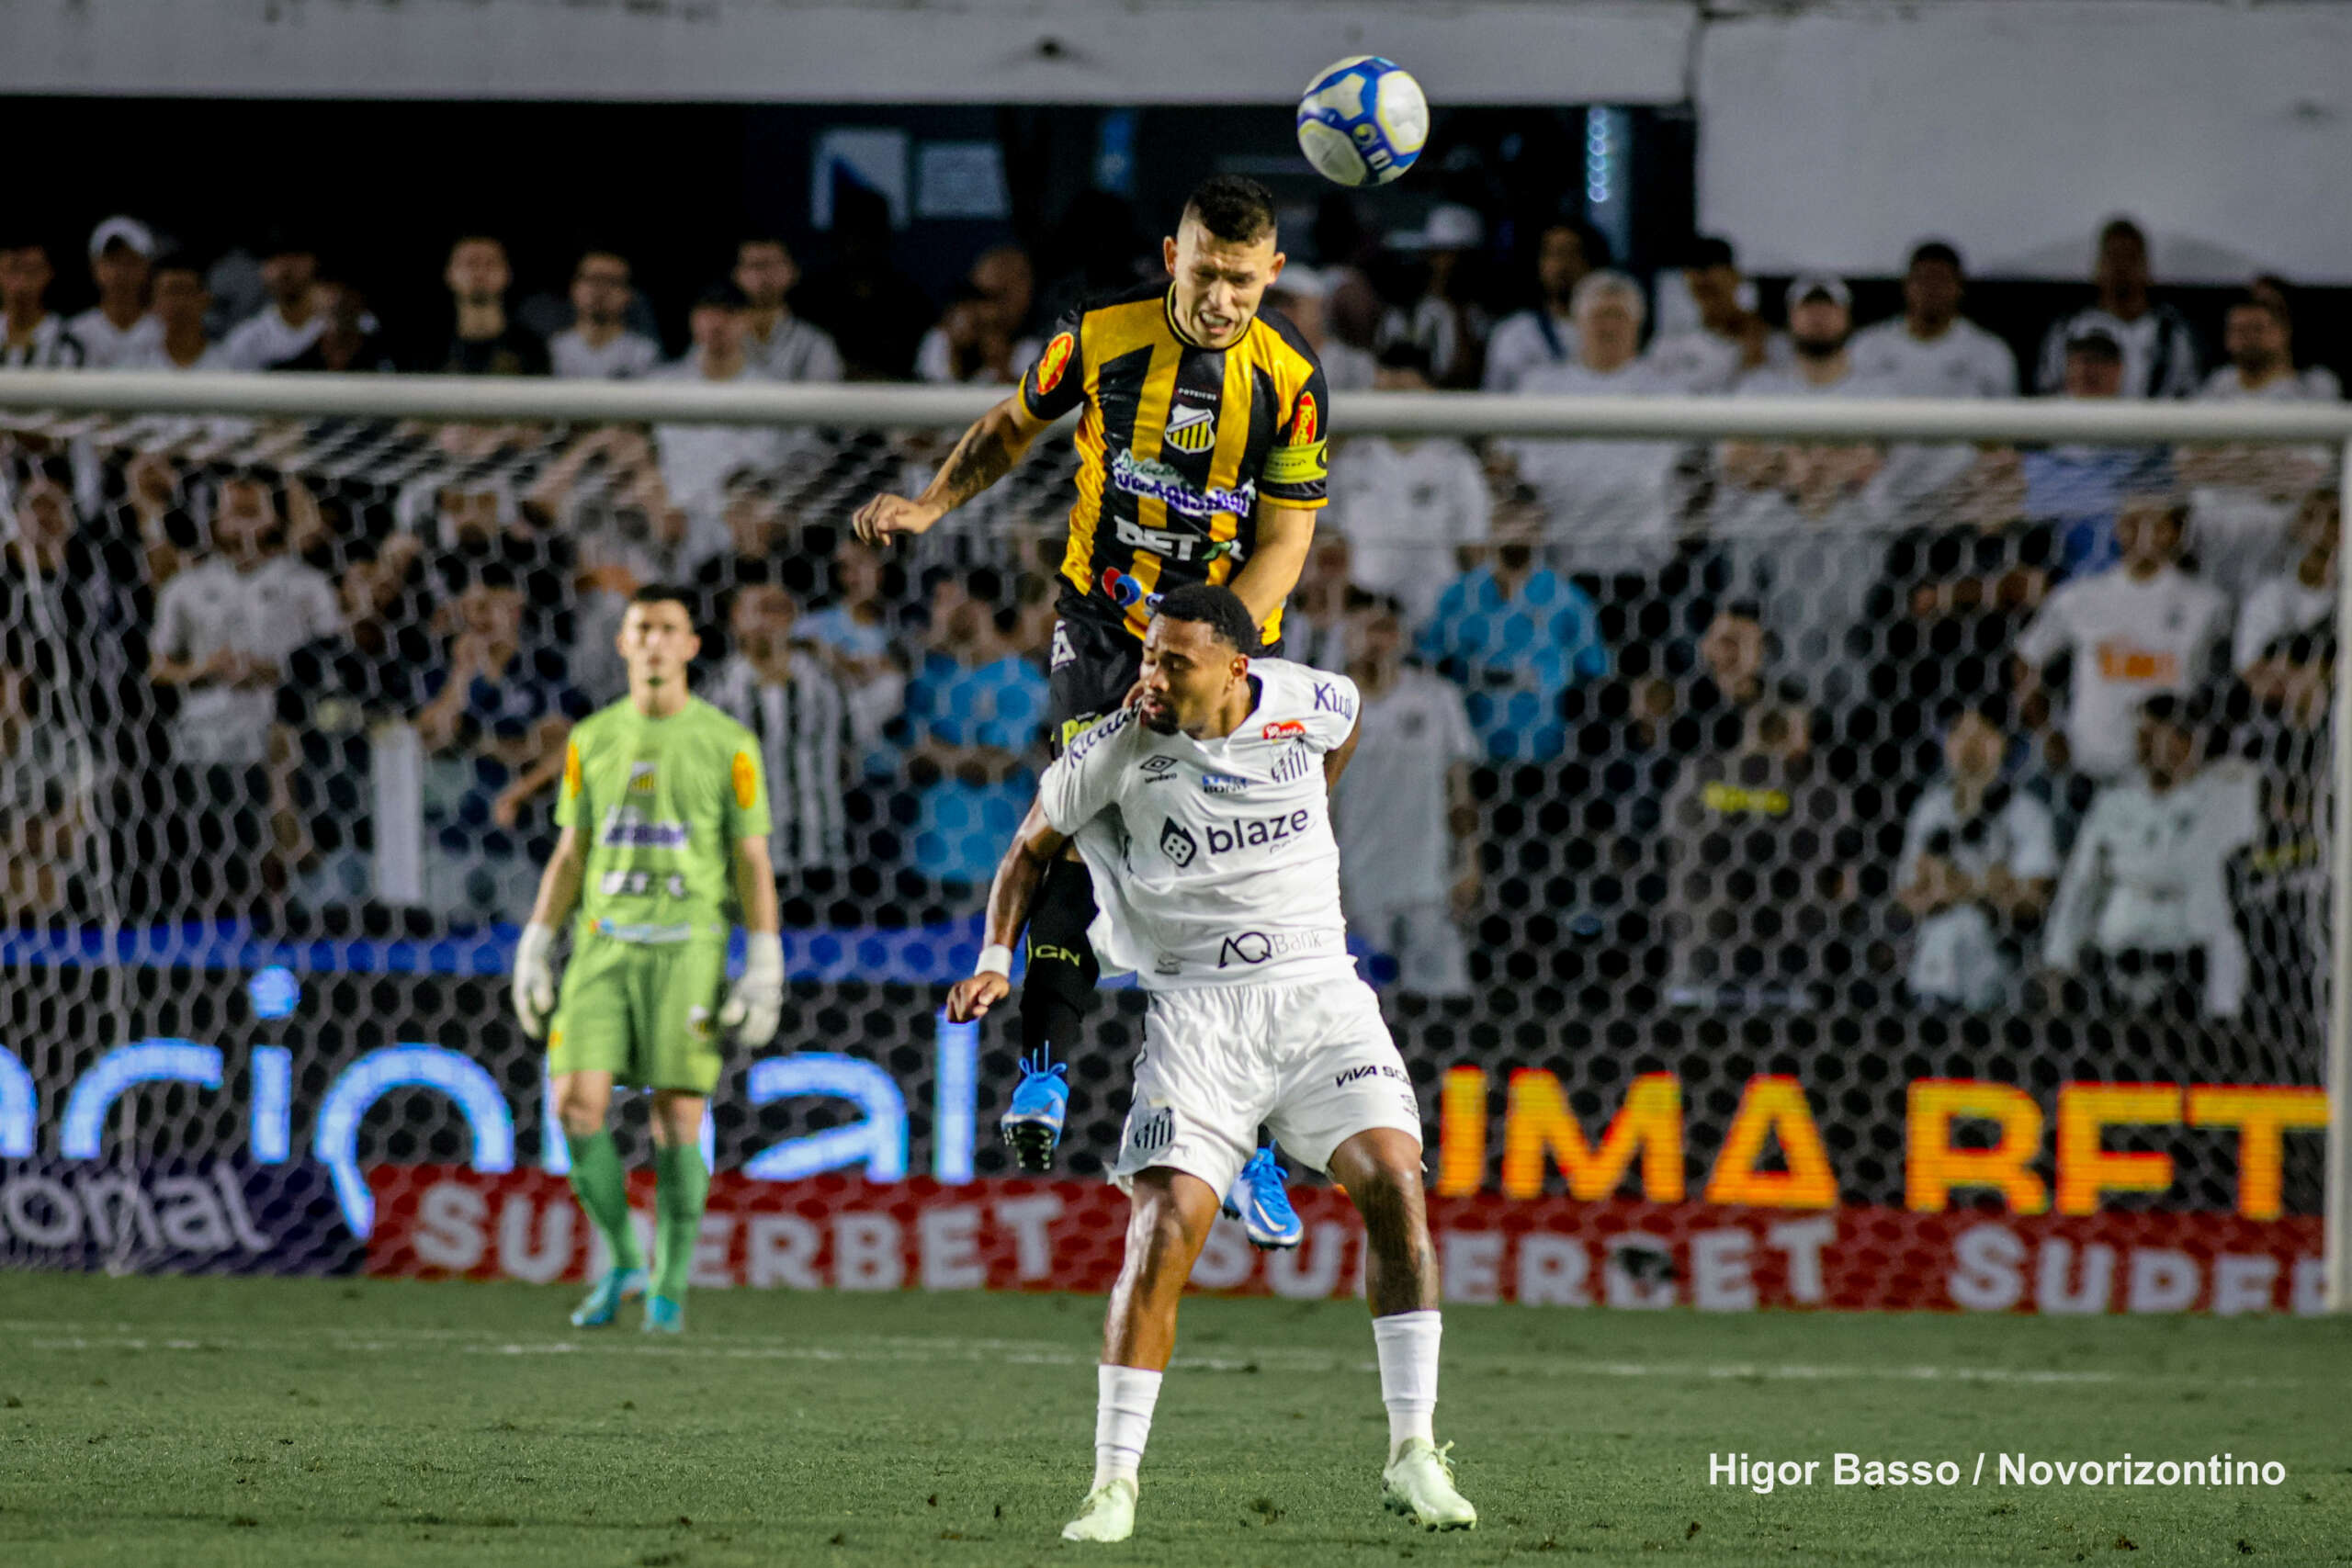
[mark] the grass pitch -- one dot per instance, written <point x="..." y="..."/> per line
<point x="297" y="1422"/>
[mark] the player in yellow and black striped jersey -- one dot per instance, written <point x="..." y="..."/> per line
<point x="1204" y="456"/>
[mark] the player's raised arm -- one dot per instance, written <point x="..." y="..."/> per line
<point x="1284" y="536"/>
<point x="988" y="452"/>
<point x="1036" y="846"/>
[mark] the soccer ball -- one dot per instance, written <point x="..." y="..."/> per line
<point x="1362" y="122"/>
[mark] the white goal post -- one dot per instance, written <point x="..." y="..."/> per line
<point x="1458" y="415"/>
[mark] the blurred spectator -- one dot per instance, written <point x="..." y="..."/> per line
<point x="484" y="341"/>
<point x="225" y="625"/>
<point x="598" y="346"/>
<point x="291" y="322"/>
<point x="1545" y="332"/>
<point x="1931" y="350"/>
<point x="2144" y="908"/>
<point x="1741" y="667"/>
<point x="1731" y="340"/>
<point x="1408" y="506"/>
<point x="47" y="800"/>
<point x="1406" y="824"/>
<point x="1445" y="321"/>
<point x="1613" y="505"/>
<point x="759" y="537"/>
<point x="1302" y="295"/>
<point x="2077" y="488"/>
<point x="2302" y="598"/>
<point x="1788" y="514"/>
<point x="785" y="696"/>
<point x="32" y="336"/>
<point x="1979" y="858"/>
<point x="1516" y="637"/>
<point x="118" y="333"/>
<point x="2280" y="884"/>
<point x="348" y="343"/>
<point x="498" y="706"/>
<point x="780" y="345"/>
<point x="984" y="335"/>
<point x="181" y="302"/>
<point x="2141" y="628"/>
<point x="1756" y="859"/>
<point x="2273" y="290"/>
<point x="853" y="634"/>
<point x="698" y="460"/>
<point x="2244" y="496"/>
<point x="1315" y="620"/>
<point x="876" y="313"/>
<point x="976" y="710"/>
<point x="2160" y="354"/>
<point x="337" y="689"/>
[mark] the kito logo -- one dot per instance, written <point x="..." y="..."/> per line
<point x="1258" y="947"/>
<point x="1256" y="832"/>
<point x="1328" y="698"/>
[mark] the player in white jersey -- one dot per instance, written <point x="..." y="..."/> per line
<point x="1202" y="808"/>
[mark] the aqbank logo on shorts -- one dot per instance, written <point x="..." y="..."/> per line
<point x="626" y="828"/>
<point x="1155" y="481"/>
<point x="1253" y="948"/>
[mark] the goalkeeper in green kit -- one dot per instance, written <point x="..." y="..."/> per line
<point x="664" y="811"/>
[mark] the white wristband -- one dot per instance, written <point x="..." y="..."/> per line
<point x="995" y="959"/>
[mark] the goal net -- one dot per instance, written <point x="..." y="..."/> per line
<point x="1930" y="835"/>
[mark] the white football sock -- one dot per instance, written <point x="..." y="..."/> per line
<point x="1407" y="1343"/>
<point x="1124" y="1397"/>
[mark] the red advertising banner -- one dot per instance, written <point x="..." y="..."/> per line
<point x="839" y="1233"/>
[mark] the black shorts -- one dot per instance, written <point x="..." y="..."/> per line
<point x="1094" y="664"/>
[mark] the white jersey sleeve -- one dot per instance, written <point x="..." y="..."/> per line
<point x="1083" y="782"/>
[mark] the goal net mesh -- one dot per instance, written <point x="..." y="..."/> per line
<point x="1861" y="766"/>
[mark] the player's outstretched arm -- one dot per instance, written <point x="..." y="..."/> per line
<point x="1035" y="847"/>
<point x="1266" y="578"/>
<point x="534" y="993"/>
<point x="988" y="452"/>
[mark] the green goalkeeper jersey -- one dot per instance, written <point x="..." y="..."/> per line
<point x="662" y="802"/>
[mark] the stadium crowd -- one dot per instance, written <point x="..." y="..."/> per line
<point x="1740" y="725"/>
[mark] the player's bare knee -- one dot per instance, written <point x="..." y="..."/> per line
<point x="581" y="1107"/>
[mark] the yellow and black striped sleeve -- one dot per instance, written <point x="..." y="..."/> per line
<point x="1056" y="383"/>
<point x="1298" y="466"/>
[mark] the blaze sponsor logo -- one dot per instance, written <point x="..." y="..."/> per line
<point x="1306" y="423"/>
<point x="1223" y="784"/>
<point x="746" y="776"/>
<point x="1053" y="361"/>
<point x="1258" y="832"/>
<point x="1328" y="698"/>
<point x="1257" y="947"/>
<point x="1284" y="729"/>
<point x="1178" y="845"/>
<point x="1193" y="430"/>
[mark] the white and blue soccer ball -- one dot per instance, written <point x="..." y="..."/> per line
<point x="1362" y="122"/>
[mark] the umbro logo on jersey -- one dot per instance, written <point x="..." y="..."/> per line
<point x="1193" y="430"/>
<point x="1155" y="769"/>
<point x="1177" y="844"/>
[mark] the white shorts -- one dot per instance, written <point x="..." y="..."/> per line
<point x="1313" y="1062"/>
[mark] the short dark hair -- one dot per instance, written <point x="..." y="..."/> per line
<point x="1708" y="250"/>
<point x="2097" y="344"/>
<point x="1942" y="251"/>
<point x="666" y="593"/>
<point x="1598" y="253"/>
<point x="1215" y="606"/>
<point x="722" y="296"/>
<point x="1233" y="208"/>
<point x="1403" y="353"/>
<point x="2271" y="304"/>
<point x="2123" y="228"/>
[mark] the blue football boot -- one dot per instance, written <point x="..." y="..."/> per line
<point x="663" y="1315"/>
<point x="1261" y="1203"/>
<point x="1032" y="1127"/>
<point x="604" y="1304"/>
